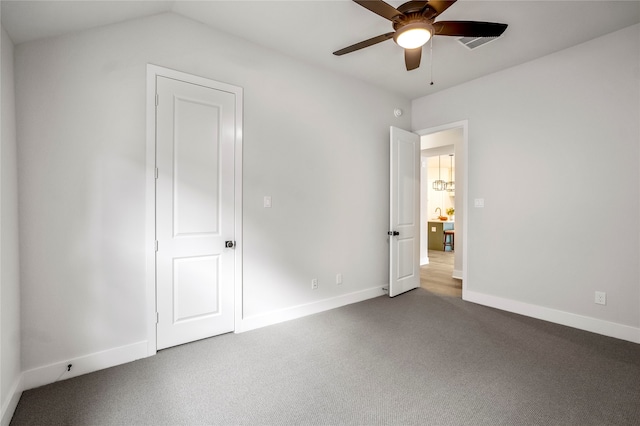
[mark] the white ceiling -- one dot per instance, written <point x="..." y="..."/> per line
<point x="311" y="30"/>
<point x="446" y="162"/>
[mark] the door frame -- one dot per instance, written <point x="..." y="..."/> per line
<point x="154" y="71"/>
<point x="462" y="187"/>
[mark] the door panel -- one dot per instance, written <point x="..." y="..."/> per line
<point x="194" y="211"/>
<point x="196" y="147"/>
<point x="404" y="212"/>
<point x="193" y="298"/>
<point x="405" y="258"/>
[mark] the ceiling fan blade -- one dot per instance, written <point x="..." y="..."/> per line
<point x="380" y="8"/>
<point x="363" y="44"/>
<point x="412" y="58"/>
<point x="437" y="6"/>
<point x="469" y="28"/>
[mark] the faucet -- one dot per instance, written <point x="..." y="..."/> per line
<point x="438" y="208"/>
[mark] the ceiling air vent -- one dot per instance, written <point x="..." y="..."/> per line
<point x="474" y="42"/>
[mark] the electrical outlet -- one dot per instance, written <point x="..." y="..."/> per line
<point x="339" y="279"/>
<point x="314" y="284"/>
<point x="601" y="298"/>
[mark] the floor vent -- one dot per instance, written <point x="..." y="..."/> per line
<point x="474" y="42"/>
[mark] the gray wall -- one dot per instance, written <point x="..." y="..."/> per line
<point x="315" y="141"/>
<point x="9" y="262"/>
<point x="553" y="144"/>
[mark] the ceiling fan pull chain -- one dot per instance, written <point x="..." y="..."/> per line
<point x="431" y="60"/>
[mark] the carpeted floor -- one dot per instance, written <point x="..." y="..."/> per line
<point x="418" y="358"/>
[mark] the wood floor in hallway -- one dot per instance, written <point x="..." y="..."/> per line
<point x="436" y="276"/>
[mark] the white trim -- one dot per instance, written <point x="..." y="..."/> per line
<point x="10" y="403"/>
<point x="462" y="157"/>
<point x="153" y="71"/>
<point x="51" y="373"/>
<point x="457" y="274"/>
<point x="594" y="325"/>
<point x="299" y="311"/>
<point x="238" y="204"/>
<point x="150" y="211"/>
<point x="442" y="128"/>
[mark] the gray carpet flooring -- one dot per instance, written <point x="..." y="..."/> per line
<point x="416" y="359"/>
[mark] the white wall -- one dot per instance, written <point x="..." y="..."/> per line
<point x="10" y="368"/>
<point x="314" y="141"/>
<point x="538" y="135"/>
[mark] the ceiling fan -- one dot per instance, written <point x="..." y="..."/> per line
<point x="414" y="24"/>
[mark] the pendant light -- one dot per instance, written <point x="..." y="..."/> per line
<point x="439" y="184"/>
<point x="451" y="185"/>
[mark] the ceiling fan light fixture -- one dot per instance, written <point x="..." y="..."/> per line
<point x="413" y="35"/>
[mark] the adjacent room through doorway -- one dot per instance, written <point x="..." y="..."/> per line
<point x="441" y="212"/>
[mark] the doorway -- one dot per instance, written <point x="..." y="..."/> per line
<point x="444" y="271"/>
<point x="438" y="190"/>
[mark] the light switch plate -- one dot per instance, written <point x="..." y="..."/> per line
<point x="478" y="202"/>
<point x="267" y="201"/>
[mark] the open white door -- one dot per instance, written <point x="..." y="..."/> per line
<point x="404" y="214"/>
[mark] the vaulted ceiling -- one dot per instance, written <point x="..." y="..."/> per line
<point x="311" y="30"/>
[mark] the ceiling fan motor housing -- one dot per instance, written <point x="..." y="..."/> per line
<point x="411" y="21"/>
<point x="415" y="7"/>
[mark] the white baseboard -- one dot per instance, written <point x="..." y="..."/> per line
<point x="51" y="373"/>
<point x="299" y="311"/>
<point x="594" y="325"/>
<point x="424" y="261"/>
<point x="11" y="402"/>
<point x="457" y="274"/>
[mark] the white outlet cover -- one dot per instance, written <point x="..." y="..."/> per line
<point x="478" y="202"/>
<point x="267" y="201"/>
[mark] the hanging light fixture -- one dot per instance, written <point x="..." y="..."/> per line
<point x="451" y="185"/>
<point x="439" y="184"/>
